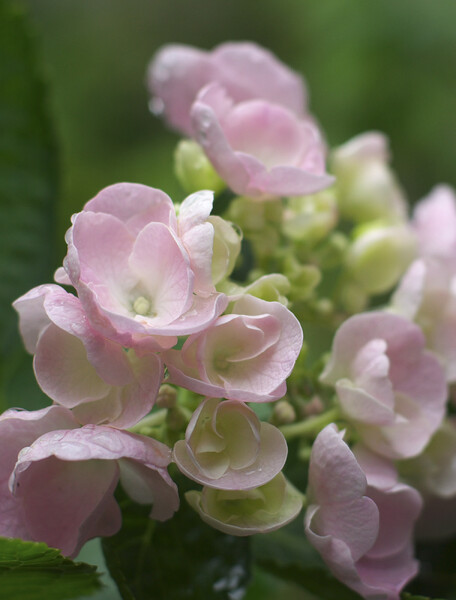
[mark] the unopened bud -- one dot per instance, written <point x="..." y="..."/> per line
<point x="284" y="413"/>
<point x="367" y="188"/>
<point x="309" y="219"/>
<point x="167" y="396"/>
<point x="227" y="246"/>
<point x="380" y="255"/>
<point x="193" y="169"/>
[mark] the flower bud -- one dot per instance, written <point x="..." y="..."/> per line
<point x="193" y="170"/>
<point x="167" y="396"/>
<point x="309" y="219"/>
<point x="284" y="413"/>
<point x="253" y="216"/>
<point x="379" y="256"/>
<point x="227" y="246"/>
<point x="303" y="278"/>
<point x="367" y="187"/>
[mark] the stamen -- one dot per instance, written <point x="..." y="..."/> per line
<point x="142" y="306"/>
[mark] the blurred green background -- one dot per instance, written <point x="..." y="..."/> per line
<point x="383" y="64"/>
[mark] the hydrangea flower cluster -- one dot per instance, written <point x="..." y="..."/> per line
<point x="169" y="336"/>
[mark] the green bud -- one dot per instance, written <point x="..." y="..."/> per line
<point x="227" y="246"/>
<point x="254" y="216"/>
<point x="367" y="188"/>
<point x="284" y="413"/>
<point x="309" y="219"/>
<point x="331" y="252"/>
<point x="380" y="255"/>
<point x="303" y="278"/>
<point x="193" y="169"/>
<point x="167" y="396"/>
<point x="352" y="297"/>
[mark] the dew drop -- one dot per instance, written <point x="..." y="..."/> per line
<point x="156" y="106"/>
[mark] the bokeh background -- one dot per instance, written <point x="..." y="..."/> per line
<point x="388" y="65"/>
<point x="384" y="64"/>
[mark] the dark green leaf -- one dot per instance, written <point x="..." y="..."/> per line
<point x="28" y="189"/>
<point x="318" y="581"/>
<point x="33" y="571"/>
<point x="437" y="576"/>
<point x="406" y="596"/>
<point x="287" y="554"/>
<point x="182" y="558"/>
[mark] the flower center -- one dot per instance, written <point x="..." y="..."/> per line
<point x="142" y="306"/>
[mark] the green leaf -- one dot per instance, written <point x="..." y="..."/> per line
<point x="28" y="192"/>
<point x="287" y="554"/>
<point x="407" y="596"/>
<point x="33" y="571"/>
<point x="182" y="558"/>
<point x="316" y="580"/>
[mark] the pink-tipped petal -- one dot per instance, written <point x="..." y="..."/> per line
<point x="135" y="205"/>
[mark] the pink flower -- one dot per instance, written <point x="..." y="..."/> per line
<point x="360" y="518"/>
<point x="427" y="292"/>
<point x="259" y="148"/>
<point x="247" y="71"/>
<point x="227" y="447"/>
<point x="427" y="296"/>
<point x="246" y="355"/>
<point x="80" y="369"/>
<point x="138" y="280"/>
<point x="389" y="387"/>
<point x="57" y="481"/>
<point x="434" y="221"/>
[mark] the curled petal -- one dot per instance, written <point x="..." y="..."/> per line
<point x="360" y="518"/>
<point x="227" y="447"/>
<point x="258" y="148"/>
<point x="245" y="512"/>
<point x="243" y="356"/>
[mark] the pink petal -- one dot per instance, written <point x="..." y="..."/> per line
<point x="58" y="498"/>
<point x="174" y="76"/>
<point x="269" y="462"/>
<point x="167" y="278"/>
<point x="257" y="147"/>
<point x="334" y="474"/>
<point x="150" y="486"/>
<point x="63" y="371"/>
<point x="435" y="223"/>
<point x="33" y="318"/>
<point x="135" y="205"/>
<point x="250" y="71"/>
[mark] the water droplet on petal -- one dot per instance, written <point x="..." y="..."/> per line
<point x="156" y="106"/>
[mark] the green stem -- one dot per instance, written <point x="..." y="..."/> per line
<point x="153" y="420"/>
<point x="310" y="426"/>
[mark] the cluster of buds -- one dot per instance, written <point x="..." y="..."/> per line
<point x="159" y="354"/>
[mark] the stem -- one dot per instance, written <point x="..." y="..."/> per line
<point x="311" y="425"/>
<point x="153" y="420"/>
